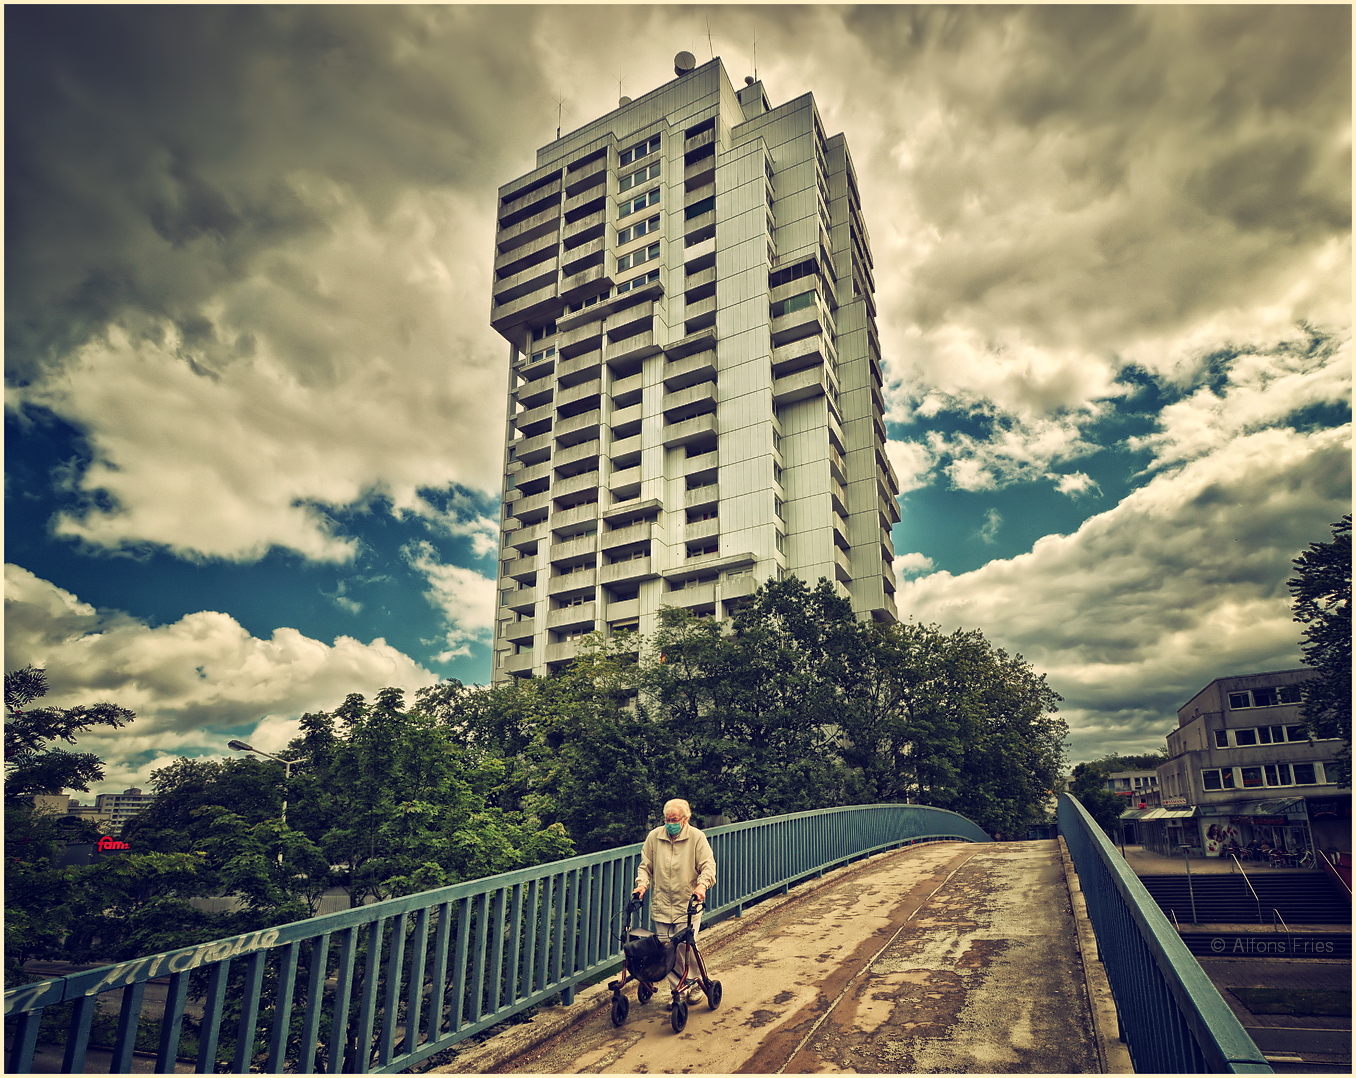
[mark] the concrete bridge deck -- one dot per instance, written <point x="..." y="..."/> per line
<point x="942" y="958"/>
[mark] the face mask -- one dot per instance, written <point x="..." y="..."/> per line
<point x="673" y="829"/>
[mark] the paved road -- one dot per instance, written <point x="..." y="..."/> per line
<point x="947" y="958"/>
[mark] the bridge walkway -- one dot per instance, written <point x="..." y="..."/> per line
<point x="940" y="958"/>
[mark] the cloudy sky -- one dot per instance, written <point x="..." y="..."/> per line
<point x="254" y="409"/>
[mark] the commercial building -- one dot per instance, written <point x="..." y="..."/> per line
<point x="695" y="399"/>
<point x="1241" y="769"/>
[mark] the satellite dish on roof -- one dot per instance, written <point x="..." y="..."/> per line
<point x="683" y="63"/>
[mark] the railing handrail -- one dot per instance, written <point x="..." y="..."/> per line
<point x="455" y="960"/>
<point x="1172" y="1017"/>
<point x="1251" y="888"/>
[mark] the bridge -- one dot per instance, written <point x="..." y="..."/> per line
<point x="890" y="938"/>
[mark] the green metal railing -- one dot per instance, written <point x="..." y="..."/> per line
<point x="383" y="987"/>
<point x="1172" y="1018"/>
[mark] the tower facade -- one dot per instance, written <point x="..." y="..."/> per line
<point x="695" y="399"/>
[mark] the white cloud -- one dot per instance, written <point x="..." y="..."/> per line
<point x="993" y="520"/>
<point x="337" y="369"/>
<point x="913" y="461"/>
<point x="912" y="564"/>
<point x="1180" y="583"/>
<point x="1076" y="483"/>
<point x="465" y="597"/>
<point x="189" y="681"/>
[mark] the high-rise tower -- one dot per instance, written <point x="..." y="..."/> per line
<point x="695" y="391"/>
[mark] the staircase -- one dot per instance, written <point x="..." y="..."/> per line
<point x="1303" y="898"/>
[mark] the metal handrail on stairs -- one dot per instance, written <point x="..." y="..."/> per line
<point x="1289" y="936"/>
<point x="1250" y="887"/>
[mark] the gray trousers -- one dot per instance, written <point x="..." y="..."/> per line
<point x="666" y="930"/>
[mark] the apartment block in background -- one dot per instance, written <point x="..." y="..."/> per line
<point x="695" y="395"/>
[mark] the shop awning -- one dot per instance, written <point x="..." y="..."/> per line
<point x="1168" y="814"/>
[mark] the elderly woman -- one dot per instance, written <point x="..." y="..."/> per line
<point x="677" y="862"/>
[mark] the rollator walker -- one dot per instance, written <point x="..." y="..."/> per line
<point x="649" y="960"/>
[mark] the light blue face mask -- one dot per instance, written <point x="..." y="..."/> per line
<point x="673" y="829"/>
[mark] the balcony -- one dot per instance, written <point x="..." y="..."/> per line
<point x="585" y="580"/>
<point x="738" y="587"/>
<point x="585" y="197"/>
<point x="802" y="323"/>
<point x="532" y="510"/>
<point x="592" y="388"/>
<point x="532" y="450"/>
<point x="623" y="417"/>
<point x="587" y="365"/>
<point x="679" y="400"/>
<point x="524" y="599"/>
<point x="842" y="565"/>
<point x="634" y="570"/>
<point x="631" y="319"/>
<point x="691" y="596"/>
<point x="625" y="484"/>
<point x="575" y="453"/>
<point x="581" y="177"/>
<point x="569" y="549"/>
<point x="702" y="462"/>
<point x="701" y="341"/>
<point x="580" y="514"/>
<point x="585" y="338"/>
<point x="505" y="316"/>
<point x="807" y="352"/>
<point x="539" y="370"/>
<point x="571" y="617"/>
<point x="838" y="494"/>
<point x="534" y="394"/>
<point x="579" y="428"/>
<point x="702" y="428"/>
<point x="886" y="544"/>
<point x="801" y="385"/>
<point x="702" y="529"/>
<point x="517" y="259"/>
<point x="637" y="346"/>
<point x="534" y="421"/>
<point x="840" y="532"/>
<point x="517" y="664"/>
<point x="564" y="650"/>
<point x="701" y="171"/>
<point x="690" y="370"/>
<point x="517" y="203"/>
<point x="531" y="228"/>
<point x="585" y="283"/>
<point x="623" y="448"/>
<point x="702" y="279"/>
<point x="522" y="568"/>
<point x="526" y="536"/>
<point x="586" y="255"/>
<point x="696" y="142"/>
<point x="889" y="511"/>
<point x="700" y="254"/>
<point x="632" y="533"/>
<point x="699" y="314"/>
<point x="531" y="279"/>
<point x="518" y="632"/>
<point x="623" y="609"/>
<point x="700" y="497"/>
<point x="575" y="484"/>
<point x="573" y="229"/>
<point x="626" y="391"/>
<point x="837" y="465"/>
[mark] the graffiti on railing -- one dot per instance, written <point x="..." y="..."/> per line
<point x="186" y="959"/>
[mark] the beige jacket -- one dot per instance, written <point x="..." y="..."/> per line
<point x="671" y="867"/>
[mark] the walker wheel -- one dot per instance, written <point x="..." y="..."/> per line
<point x="713" y="993"/>
<point x="644" y="993"/>
<point x="621" y="1006"/>
<point x="678" y="1016"/>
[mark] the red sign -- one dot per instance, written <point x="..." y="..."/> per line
<point x="107" y="843"/>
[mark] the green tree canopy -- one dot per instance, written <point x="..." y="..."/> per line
<point x="1321" y="597"/>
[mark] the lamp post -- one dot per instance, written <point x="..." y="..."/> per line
<point x="240" y="746"/>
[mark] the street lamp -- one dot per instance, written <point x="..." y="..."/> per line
<point x="240" y="746"/>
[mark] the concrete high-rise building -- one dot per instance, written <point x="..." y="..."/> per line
<point x="695" y="392"/>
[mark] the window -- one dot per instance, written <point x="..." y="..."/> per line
<point x="545" y="353"/>
<point x="777" y="473"/>
<point x="630" y="206"/>
<point x="1304" y="774"/>
<point x="794" y="303"/>
<point x="540" y="333"/>
<point x="1264" y="698"/>
<point x="781" y="541"/>
<point x="706" y="205"/>
<point x="779" y="507"/>
<point x="703" y="550"/>
<point x="1289" y="694"/>
<point x="1278" y="775"/>
<point x="626" y="235"/>
<point x="1295" y="733"/>
<point x="649" y="172"/>
<point x="1218" y="778"/>
<point x="588" y="302"/>
<point x="777" y="440"/>
<point x="1252" y="776"/>
<point x="1221" y="739"/>
<point x="1245" y="737"/>
<point x="637" y="282"/>
<point x="635" y="153"/>
<point x="636" y="258"/>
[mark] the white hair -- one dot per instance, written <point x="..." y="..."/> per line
<point x="682" y="807"/>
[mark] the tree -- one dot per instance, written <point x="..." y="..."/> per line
<point x="33" y="763"/>
<point x="1321" y="597"/>
<point x="1089" y="786"/>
